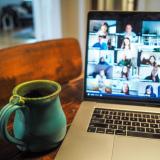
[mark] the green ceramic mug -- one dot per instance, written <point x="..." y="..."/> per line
<point x="39" y="122"/>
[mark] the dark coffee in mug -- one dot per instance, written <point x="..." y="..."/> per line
<point x="36" y="93"/>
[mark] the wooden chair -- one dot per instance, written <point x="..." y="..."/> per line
<point x="58" y="60"/>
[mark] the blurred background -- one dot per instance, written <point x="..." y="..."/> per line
<point x="27" y="21"/>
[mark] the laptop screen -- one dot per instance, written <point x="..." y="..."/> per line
<point x="123" y="56"/>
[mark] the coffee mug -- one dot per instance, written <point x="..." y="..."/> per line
<point x="39" y="121"/>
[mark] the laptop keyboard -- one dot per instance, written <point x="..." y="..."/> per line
<point x="126" y="123"/>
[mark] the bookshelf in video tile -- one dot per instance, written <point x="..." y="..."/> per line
<point x="123" y="58"/>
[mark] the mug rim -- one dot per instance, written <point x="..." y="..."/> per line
<point x="15" y="90"/>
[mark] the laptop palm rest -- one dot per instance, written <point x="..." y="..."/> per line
<point x="132" y="148"/>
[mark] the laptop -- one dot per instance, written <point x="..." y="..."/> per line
<point x="119" y="118"/>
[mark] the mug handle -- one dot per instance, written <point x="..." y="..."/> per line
<point x="15" y="103"/>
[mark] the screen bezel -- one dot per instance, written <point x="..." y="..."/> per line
<point x="103" y="15"/>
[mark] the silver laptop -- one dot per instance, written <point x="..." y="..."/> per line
<point x="119" y="118"/>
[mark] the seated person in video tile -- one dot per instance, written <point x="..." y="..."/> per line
<point x="103" y="38"/>
<point x="125" y="89"/>
<point x="101" y="44"/>
<point x="101" y="80"/>
<point x="130" y="34"/>
<point x="103" y="30"/>
<point x="124" y="61"/>
<point x="103" y="65"/>
<point x="154" y="75"/>
<point x="128" y="48"/>
<point x="149" y="91"/>
<point x="125" y="73"/>
<point x="150" y="61"/>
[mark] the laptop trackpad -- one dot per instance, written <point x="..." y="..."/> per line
<point x="134" y="148"/>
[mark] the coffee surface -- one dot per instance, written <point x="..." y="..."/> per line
<point x="36" y="93"/>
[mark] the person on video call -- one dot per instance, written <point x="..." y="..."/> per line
<point x="103" y="30"/>
<point x="101" y="80"/>
<point x="103" y="65"/>
<point x="102" y="37"/>
<point x="152" y="60"/>
<point x="124" y="61"/>
<point x="125" y="89"/>
<point x="130" y="34"/>
<point x="154" y="75"/>
<point x="149" y="91"/>
<point x="125" y="73"/>
<point x="129" y="50"/>
<point x="101" y="44"/>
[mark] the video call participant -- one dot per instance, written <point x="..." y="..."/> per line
<point x="125" y="89"/>
<point x="103" y="30"/>
<point x="152" y="60"/>
<point x="130" y="34"/>
<point x="125" y="73"/>
<point x="124" y="61"/>
<point x="101" y="80"/>
<point x="149" y="91"/>
<point x="101" y="44"/>
<point x="103" y="38"/>
<point x="103" y="65"/>
<point x="129" y="50"/>
<point x="154" y="75"/>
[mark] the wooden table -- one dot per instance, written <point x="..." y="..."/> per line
<point x="71" y="97"/>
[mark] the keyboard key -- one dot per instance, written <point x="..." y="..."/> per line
<point x="95" y="115"/>
<point x="131" y="114"/>
<point x="97" y="110"/>
<point x="133" y="119"/>
<point x="140" y="129"/>
<point x="104" y="111"/>
<point x="109" y="121"/>
<point x="112" y="126"/>
<point x="125" y="118"/>
<point x="139" y="115"/>
<point x="96" y="120"/>
<point x="144" y="124"/>
<point x="110" y="131"/>
<point x="154" y="125"/>
<point x="91" y="129"/>
<point x="151" y="130"/>
<point x="135" y="123"/>
<point x="116" y="117"/>
<point x="120" y="132"/>
<point x="142" y="120"/>
<point x="130" y="128"/>
<point x="146" y="116"/>
<point x="108" y="117"/>
<point x="117" y="122"/>
<point x="157" y="131"/>
<point x="100" y="130"/>
<point x="111" y="113"/>
<point x="114" y="113"/>
<point x="122" y="127"/>
<point x="101" y="125"/>
<point x="157" y="121"/>
<point x="151" y="120"/>
<point x="126" y="123"/>
<point x="135" y="115"/>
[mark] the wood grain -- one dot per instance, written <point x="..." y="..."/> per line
<point x="58" y="60"/>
